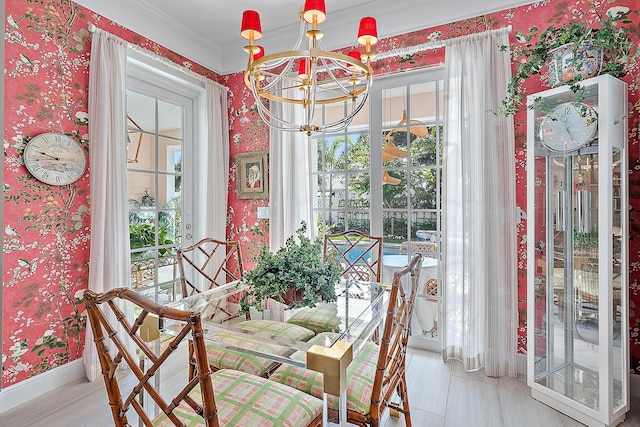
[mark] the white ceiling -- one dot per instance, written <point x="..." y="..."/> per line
<point x="208" y="31"/>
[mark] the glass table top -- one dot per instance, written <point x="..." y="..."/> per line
<point x="357" y="319"/>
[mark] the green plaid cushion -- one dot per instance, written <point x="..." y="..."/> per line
<point x="274" y="327"/>
<point x="225" y="358"/>
<point x="245" y="400"/>
<point x="360" y="374"/>
<point x="323" y="318"/>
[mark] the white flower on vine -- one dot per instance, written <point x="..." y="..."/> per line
<point x="616" y="11"/>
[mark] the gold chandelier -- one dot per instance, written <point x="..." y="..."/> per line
<point x="309" y="75"/>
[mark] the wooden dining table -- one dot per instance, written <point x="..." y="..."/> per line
<point x="357" y="319"/>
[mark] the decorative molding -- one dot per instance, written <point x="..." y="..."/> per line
<point x="154" y="56"/>
<point x="33" y="387"/>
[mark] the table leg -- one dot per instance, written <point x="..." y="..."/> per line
<point x="342" y="414"/>
<point x="325" y="410"/>
<point x="332" y="362"/>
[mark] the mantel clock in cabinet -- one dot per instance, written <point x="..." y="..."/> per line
<point x="577" y="274"/>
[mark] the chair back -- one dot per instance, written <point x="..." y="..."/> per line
<point x="428" y="249"/>
<point x="391" y="365"/>
<point x="113" y="350"/>
<point x="360" y="254"/>
<point x="209" y="263"/>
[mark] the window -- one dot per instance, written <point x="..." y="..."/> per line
<point x="382" y="175"/>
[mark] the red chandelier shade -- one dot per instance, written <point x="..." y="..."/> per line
<point x="302" y="68"/>
<point x="251" y="25"/>
<point x="355" y="55"/>
<point x="368" y="31"/>
<point x="259" y="54"/>
<point x="314" y="7"/>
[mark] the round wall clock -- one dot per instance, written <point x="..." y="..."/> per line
<point x="55" y="158"/>
<point x="569" y="127"/>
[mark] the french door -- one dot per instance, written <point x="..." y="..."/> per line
<point x="160" y="124"/>
<point x="382" y="175"/>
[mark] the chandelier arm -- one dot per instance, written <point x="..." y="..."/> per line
<point x="270" y="118"/>
<point x="355" y="110"/>
<point x="290" y="78"/>
<point x="338" y="80"/>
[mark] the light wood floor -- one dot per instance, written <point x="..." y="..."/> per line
<point x="440" y="395"/>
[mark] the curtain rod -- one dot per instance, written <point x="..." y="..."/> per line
<point x="410" y="50"/>
<point x="146" y="52"/>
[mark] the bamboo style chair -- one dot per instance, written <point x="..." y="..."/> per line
<point x="361" y="258"/>
<point x="202" y="273"/>
<point x="222" y="398"/>
<point x="199" y="272"/>
<point x="377" y="372"/>
<point x="359" y="253"/>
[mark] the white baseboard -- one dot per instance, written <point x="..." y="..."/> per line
<point x="521" y="361"/>
<point x="30" y="388"/>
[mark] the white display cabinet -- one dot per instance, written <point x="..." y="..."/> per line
<point x="577" y="272"/>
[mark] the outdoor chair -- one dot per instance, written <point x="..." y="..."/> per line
<point x="428" y="249"/>
<point x="222" y="398"/>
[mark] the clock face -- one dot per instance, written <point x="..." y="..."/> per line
<point x="568" y="127"/>
<point x="55" y="158"/>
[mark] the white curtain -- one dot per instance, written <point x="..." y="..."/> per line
<point x="216" y="165"/>
<point x="290" y="181"/>
<point x="479" y="260"/>
<point x="109" y="260"/>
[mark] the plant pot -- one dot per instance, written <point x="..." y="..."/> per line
<point x="292" y="295"/>
<point x="564" y="68"/>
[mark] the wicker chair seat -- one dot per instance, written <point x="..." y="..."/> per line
<point x="323" y="318"/>
<point x="227" y="358"/>
<point x="360" y="374"/>
<point x="281" y="329"/>
<point x="245" y="400"/>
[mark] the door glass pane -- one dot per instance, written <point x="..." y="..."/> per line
<point x="169" y="119"/>
<point x="343" y="174"/>
<point x="169" y="154"/>
<point x="358" y="152"/>
<point x="142" y="109"/>
<point x="141" y="146"/>
<point x="411" y="159"/>
<point x="154" y="180"/>
<point x="616" y="312"/>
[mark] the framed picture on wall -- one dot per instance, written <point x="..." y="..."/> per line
<point x="252" y="175"/>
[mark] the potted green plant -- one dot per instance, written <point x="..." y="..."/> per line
<point x="296" y="274"/>
<point x="573" y="45"/>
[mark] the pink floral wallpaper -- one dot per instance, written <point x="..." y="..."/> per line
<point x="46" y="228"/>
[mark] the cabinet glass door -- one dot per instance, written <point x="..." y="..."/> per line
<point x="577" y="249"/>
